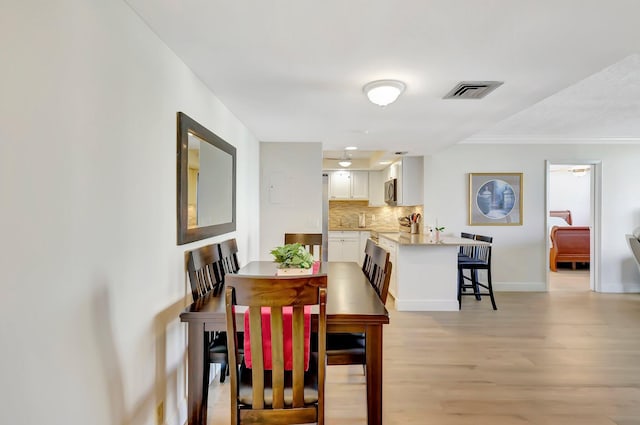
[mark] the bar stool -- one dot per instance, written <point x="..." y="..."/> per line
<point x="480" y="260"/>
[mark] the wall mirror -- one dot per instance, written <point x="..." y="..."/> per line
<point x="206" y="183"/>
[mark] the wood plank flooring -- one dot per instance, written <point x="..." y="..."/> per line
<point x="564" y="357"/>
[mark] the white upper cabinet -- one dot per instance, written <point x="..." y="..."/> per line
<point x="360" y="185"/>
<point x="348" y="185"/>
<point x="339" y="185"/>
<point x="410" y="184"/>
<point x="376" y="188"/>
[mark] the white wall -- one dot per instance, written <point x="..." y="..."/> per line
<point x="570" y="192"/>
<point x="519" y="254"/>
<point x="91" y="278"/>
<point x="290" y="192"/>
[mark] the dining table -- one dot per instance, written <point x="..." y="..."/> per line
<point x="352" y="306"/>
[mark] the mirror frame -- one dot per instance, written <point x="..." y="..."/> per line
<point x="185" y="126"/>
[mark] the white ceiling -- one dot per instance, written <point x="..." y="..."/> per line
<point x="293" y="70"/>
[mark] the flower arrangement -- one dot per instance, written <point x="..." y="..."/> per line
<point x="292" y="256"/>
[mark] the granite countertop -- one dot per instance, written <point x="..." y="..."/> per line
<point x="422" y="239"/>
<point x="362" y="229"/>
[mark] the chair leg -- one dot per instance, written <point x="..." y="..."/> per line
<point x="224" y="371"/>
<point x="474" y="283"/>
<point x="493" y="301"/>
<point x="460" y="283"/>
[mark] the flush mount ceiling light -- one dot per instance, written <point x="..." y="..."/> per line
<point x="383" y="92"/>
<point x="345" y="161"/>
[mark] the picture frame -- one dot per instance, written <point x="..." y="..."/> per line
<point x="495" y="199"/>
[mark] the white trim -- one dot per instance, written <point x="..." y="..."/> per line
<point x="549" y="140"/>
<point x="595" y="278"/>
<point x="182" y="413"/>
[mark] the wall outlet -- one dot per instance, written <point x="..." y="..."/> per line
<point x="160" y="413"/>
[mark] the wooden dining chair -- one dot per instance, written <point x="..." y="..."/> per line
<point x="229" y="256"/>
<point x="277" y="396"/>
<point x="205" y="272"/>
<point x="350" y="348"/>
<point x="206" y="277"/>
<point x="367" y="264"/>
<point x="380" y="272"/>
<point x="312" y="242"/>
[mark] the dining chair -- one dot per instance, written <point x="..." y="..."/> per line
<point x="206" y="277"/>
<point x="350" y="348"/>
<point x="312" y="242"/>
<point x="229" y="256"/>
<point x="481" y="260"/>
<point x="367" y="265"/>
<point x="278" y="395"/>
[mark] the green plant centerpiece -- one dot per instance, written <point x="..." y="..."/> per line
<point x="292" y="255"/>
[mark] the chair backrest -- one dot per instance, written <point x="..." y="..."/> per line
<point x="467" y="250"/>
<point x="367" y="264"/>
<point x="311" y="241"/>
<point x="381" y="272"/>
<point x="276" y="396"/>
<point x="483" y="253"/>
<point x="205" y="272"/>
<point x="229" y="256"/>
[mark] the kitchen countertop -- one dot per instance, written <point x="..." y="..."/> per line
<point x="422" y="239"/>
<point x="362" y="229"/>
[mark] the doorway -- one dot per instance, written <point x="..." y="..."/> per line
<point x="573" y="204"/>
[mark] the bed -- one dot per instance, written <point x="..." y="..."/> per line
<point x="569" y="244"/>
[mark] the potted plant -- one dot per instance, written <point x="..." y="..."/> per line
<point x="292" y="259"/>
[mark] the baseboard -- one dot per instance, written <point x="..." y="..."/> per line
<point x="426" y="305"/>
<point x="519" y="287"/>
<point x="620" y="288"/>
<point x="182" y="413"/>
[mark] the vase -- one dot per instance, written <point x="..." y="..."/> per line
<point x="293" y="271"/>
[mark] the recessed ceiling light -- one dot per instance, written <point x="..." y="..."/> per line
<point x="351" y="148"/>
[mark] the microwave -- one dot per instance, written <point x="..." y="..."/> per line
<point x="391" y="192"/>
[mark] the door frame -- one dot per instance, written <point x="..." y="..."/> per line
<point x="595" y="209"/>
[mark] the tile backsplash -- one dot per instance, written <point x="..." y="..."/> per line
<point x="345" y="214"/>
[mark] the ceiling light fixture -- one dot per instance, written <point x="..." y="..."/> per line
<point x="383" y="92"/>
<point x="351" y="148"/>
<point x="345" y="161"/>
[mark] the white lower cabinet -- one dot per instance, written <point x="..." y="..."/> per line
<point x="344" y="246"/>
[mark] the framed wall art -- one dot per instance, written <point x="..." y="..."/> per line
<point x="495" y="199"/>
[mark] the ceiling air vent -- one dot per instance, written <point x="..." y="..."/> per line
<point x="472" y="89"/>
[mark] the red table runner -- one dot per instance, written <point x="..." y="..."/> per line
<point x="287" y="314"/>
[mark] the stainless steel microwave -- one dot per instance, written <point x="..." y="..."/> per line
<point x="391" y="192"/>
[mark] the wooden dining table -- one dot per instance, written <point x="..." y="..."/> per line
<point x="352" y="306"/>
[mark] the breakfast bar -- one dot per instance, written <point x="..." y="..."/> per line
<point x="425" y="270"/>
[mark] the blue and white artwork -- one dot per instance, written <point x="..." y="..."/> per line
<point x="495" y="198"/>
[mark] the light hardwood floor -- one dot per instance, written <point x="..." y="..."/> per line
<point x="564" y="357"/>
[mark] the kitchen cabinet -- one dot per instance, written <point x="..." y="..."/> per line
<point x="344" y="246"/>
<point x="409" y="172"/>
<point x="376" y="189"/>
<point x="345" y="184"/>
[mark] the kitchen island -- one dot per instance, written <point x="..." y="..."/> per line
<point x="425" y="273"/>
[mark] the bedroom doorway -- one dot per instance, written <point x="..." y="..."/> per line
<point x="573" y="204"/>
